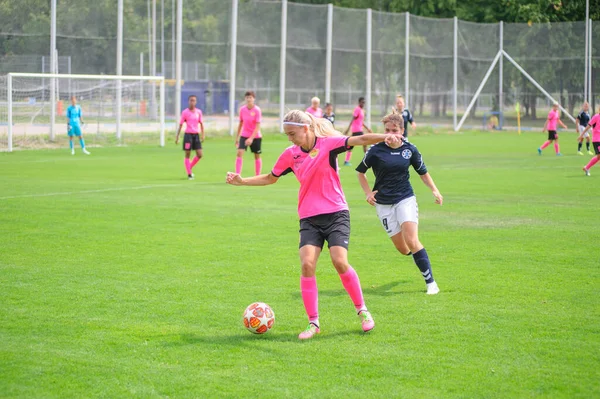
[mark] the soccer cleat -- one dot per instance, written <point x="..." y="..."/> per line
<point x="86" y="152"/>
<point x="73" y="151"/>
<point x="367" y="320"/>
<point x="346" y="163"/>
<point x="580" y="153"/>
<point x="587" y="172"/>
<point x="432" y="288"/>
<point x="310" y="331"/>
<point x="539" y="151"/>
<point x="558" y="154"/>
<point x="591" y="153"/>
<point x="191" y="177"/>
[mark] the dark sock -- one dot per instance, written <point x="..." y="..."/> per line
<point x="409" y="253"/>
<point x="422" y="261"/>
<point x="579" y="146"/>
<point x="587" y="145"/>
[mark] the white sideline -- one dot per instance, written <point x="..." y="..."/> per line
<point x="100" y="190"/>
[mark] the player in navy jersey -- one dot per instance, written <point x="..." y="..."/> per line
<point x="581" y="123"/>
<point x="393" y="196"/>
<point x="329" y="114"/>
<point x="405" y="113"/>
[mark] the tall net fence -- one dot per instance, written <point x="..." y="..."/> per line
<point x="419" y="66"/>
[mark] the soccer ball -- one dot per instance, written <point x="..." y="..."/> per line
<point x="258" y="318"/>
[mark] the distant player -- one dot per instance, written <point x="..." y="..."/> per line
<point x="194" y="134"/>
<point x="74" y="121"/>
<point x="406" y="114"/>
<point x="393" y="195"/>
<point x="328" y="114"/>
<point x="550" y="125"/>
<point x="356" y="125"/>
<point x="314" y="109"/>
<point x="248" y="134"/>
<point x="595" y="126"/>
<point x="322" y="207"/>
<point x="581" y="123"/>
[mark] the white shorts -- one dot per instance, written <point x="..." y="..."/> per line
<point x="392" y="216"/>
<point x="581" y="129"/>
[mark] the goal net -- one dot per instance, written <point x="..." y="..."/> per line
<point x="115" y="109"/>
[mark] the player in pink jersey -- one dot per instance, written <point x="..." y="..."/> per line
<point x="595" y="126"/>
<point x="322" y="207"/>
<point x="550" y="125"/>
<point x="194" y="134"/>
<point x="356" y="125"/>
<point x="314" y="109"/>
<point x="248" y="134"/>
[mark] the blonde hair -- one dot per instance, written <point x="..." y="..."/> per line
<point x="399" y="96"/>
<point x="394" y="117"/>
<point x="317" y="99"/>
<point x="321" y="127"/>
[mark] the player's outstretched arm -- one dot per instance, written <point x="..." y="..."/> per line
<point x="562" y="124"/>
<point x="429" y="183"/>
<point x="390" y="139"/>
<point x="364" y="184"/>
<point x="260" y="180"/>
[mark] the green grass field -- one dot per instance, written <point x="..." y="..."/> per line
<point x="120" y="278"/>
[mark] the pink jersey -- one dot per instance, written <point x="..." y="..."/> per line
<point x="250" y="117"/>
<point x="552" y="119"/>
<point x="595" y="123"/>
<point x="192" y="119"/>
<point x="357" y="123"/>
<point x="317" y="113"/>
<point x="317" y="171"/>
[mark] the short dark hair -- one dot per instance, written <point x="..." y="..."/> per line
<point x="250" y="93"/>
<point x="361" y="99"/>
<point x="328" y="105"/>
<point x="192" y="95"/>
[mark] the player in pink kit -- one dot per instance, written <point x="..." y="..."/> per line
<point x="314" y="109"/>
<point x="550" y="125"/>
<point x="595" y="125"/>
<point x="357" y="124"/>
<point x="322" y="207"/>
<point x="194" y="127"/>
<point x="249" y="129"/>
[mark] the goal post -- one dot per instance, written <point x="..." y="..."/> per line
<point x="110" y="105"/>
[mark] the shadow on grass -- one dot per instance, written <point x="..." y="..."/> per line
<point x="382" y="290"/>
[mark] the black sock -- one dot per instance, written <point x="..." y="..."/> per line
<point x="409" y="253"/>
<point x="422" y="261"/>
<point x="579" y="146"/>
<point x="587" y="145"/>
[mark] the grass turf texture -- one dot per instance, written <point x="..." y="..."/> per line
<point x="121" y="278"/>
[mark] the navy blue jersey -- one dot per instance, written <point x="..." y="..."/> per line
<point x="391" y="166"/>
<point x="330" y="118"/>
<point x="584" y="118"/>
<point x="407" y="116"/>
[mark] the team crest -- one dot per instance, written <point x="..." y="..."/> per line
<point x="406" y="154"/>
<point x="313" y="154"/>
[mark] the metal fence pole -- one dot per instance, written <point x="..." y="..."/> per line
<point x="178" y="58"/>
<point x="10" y="112"/>
<point x="407" y="59"/>
<point x="119" y="66"/>
<point x="589" y="80"/>
<point x="52" y="68"/>
<point x="232" y="65"/>
<point x="455" y="75"/>
<point x="282" y="63"/>
<point x="501" y="76"/>
<point x="587" y="48"/>
<point x="369" y="59"/>
<point x="328" y="53"/>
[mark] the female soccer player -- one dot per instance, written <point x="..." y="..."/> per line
<point x="393" y="196"/>
<point x="357" y="124"/>
<point x="322" y="206"/>
<point x="581" y="123"/>
<point x="595" y="125"/>
<point x="192" y="117"/>
<point x="550" y="125"/>
<point x="328" y="114"/>
<point x="314" y="109"/>
<point x="74" y="121"/>
<point x="406" y="114"/>
<point x="249" y="129"/>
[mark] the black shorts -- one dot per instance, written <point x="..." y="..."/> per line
<point x="353" y="135"/>
<point x="191" y="141"/>
<point x="596" y="145"/>
<point x="331" y="227"/>
<point x="552" y="135"/>
<point x="255" y="147"/>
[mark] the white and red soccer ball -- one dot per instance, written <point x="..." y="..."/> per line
<point x="258" y="318"/>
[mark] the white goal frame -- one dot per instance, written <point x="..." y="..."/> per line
<point x="118" y="78"/>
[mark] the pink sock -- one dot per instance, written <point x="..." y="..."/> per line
<point x="546" y="144"/>
<point x="556" y="147"/>
<point x="188" y="168"/>
<point x="352" y="285"/>
<point x="348" y="156"/>
<point x="194" y="162"/>
<point x="257" y="166"/>
<point x="238" y="165"/>
<point x="591" y="163"/>
<point x="310" y="297"/>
